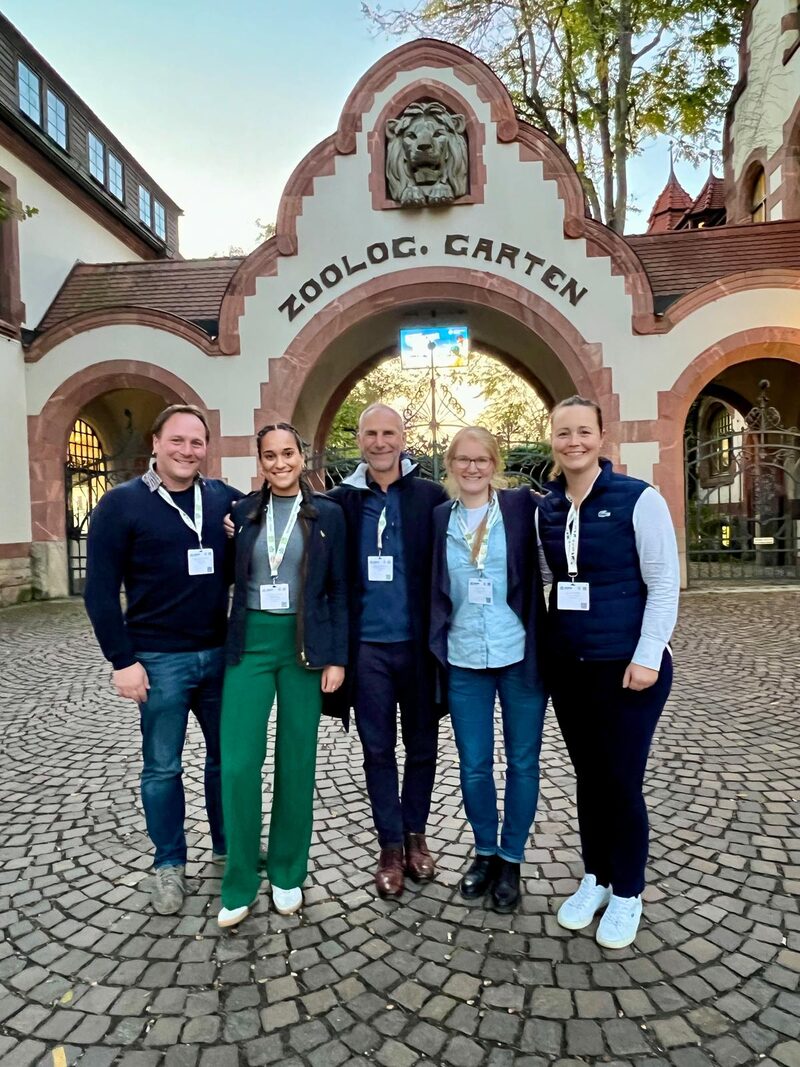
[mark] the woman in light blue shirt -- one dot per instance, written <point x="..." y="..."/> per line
<point x="487" y="613"/>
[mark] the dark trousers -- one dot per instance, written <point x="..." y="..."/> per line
<point x="608" y="731"/>
<point x="387" y="675"/>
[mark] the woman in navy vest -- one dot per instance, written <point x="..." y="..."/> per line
<point x="487" y="607"/>
<point x="609" y="544"/>
<point x="287" y="635"/>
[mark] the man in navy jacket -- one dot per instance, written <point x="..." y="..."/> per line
<point x="389" y="516"/>
<point x="161" y="536"/>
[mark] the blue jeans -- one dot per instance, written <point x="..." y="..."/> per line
<point x="472" y="697"/>
<point x="179" y="682"/>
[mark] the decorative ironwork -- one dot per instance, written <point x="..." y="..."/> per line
<point x="743" y="521"/>
<point x="89" y="472"/>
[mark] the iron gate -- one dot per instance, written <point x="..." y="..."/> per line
<point x="743" y="501"/>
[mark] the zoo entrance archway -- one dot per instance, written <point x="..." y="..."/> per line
<point x="343" y="341"/>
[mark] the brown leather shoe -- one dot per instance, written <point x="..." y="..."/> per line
<point x="420" y="864"/>
<point x="389" y="875"/>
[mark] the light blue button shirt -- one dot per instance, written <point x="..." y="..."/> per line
<point x="481" y="635"/>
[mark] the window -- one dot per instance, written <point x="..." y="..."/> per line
<point x="116" y="181"/>
<point x="721" y="442"/>
<point x="30" y="94"/>
<point x="97" y="158"/>
<point x="159" y="220"/>
<point x="144" y="206"/>
<point x="758" y="199"/>
<point x="56" y="119"/>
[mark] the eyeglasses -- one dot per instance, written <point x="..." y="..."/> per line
<point x="462" y="463"/>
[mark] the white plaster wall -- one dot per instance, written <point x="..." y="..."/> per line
<point x="521" y="208"/>
<point x="15" y="494"/>
<point x="772" y="88"/>
<point x="238" y="471"/>
<point x="53" y="240"/>
<point x="639" y="458"/>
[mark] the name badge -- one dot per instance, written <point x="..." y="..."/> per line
<point x="480" y="591"/>
<point x="380" y="568"/>
<point x="274" y="597"/>
<point x="573" y="596"/>
<point x="201" y="560"/>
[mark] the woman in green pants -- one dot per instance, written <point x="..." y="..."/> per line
<point x="287" y="636"/>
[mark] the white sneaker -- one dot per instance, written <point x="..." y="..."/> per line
<point x="578" y="910"/>
<point x="287" y="901"/>
<point x="620" y="922"/>
<point x="232" y="916"/>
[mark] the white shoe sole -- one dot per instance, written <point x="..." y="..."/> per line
<point x="616" y="944"/>
<point x="233" y="920"/>
<point x="288" y="911"/>
<point x="575" y="924"/>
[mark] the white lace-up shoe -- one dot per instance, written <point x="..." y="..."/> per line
<point x="232" y="916"/>
<point x="287" y="901"/>
<point x="578" y="910"/>
<point x="620" y="922"/>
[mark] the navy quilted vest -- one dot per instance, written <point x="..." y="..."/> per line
<point x="607" y="560"/>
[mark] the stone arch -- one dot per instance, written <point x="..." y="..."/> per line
<point x="766" y="342"/>
<point x="581" y="360"/>
<point x="533" y="145"/>
<point x="48" y="432"/>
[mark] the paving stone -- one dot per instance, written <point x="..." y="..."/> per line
<point x="462" y="1052"/>
<point x="716" y="965"/>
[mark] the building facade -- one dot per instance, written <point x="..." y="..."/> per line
<point x="430" y="203"/>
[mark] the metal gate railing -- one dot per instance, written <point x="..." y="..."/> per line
<point x="743" y="501"/>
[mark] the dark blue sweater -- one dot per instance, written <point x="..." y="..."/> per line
<point x="137" y="540"/>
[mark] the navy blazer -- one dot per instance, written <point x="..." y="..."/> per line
<point x="322" y="597"/>
<point x="525" y="591"/>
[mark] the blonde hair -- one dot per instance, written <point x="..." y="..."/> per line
<point x="489" y="442"/>
<point x="573" y="402"/>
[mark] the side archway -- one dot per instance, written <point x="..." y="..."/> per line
<point x="49" y="431"/>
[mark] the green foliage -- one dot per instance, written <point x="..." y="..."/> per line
<point x="601" y="77"/>
<point x="15" y="210"/>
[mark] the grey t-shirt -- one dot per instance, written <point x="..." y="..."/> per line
<point x="289" y="568"/>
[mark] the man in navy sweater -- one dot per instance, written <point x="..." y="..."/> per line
<point x="161" y="537"/>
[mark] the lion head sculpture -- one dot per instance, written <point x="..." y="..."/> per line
<point x="426" y="156"/>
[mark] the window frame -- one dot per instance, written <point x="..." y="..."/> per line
<point x="22" y="65"/>
<point x="156" y="206"/>
<point x="148" y="222"/>
<point x="48" y="94"/>
<point x="758" y="209"/>
<point x="89" y="135"/>
<point x="109" y="156"/>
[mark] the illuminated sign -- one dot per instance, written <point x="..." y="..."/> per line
<point x="438" y="346"/>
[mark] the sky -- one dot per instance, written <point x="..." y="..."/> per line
<point x="220" y="101"/>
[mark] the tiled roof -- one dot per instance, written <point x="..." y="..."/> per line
<point x="190" y="288"/>
<point x="711" y="197"/>
<point x="669" y="209"/>
<point x="683" y="260"/>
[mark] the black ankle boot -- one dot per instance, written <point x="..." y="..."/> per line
<point x="505" y="891"/>
<point x="479" y="877"/>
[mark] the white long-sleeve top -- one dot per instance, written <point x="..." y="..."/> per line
<point x="658" y="563"/>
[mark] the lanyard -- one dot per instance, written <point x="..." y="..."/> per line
<point x="276" y="554"/>
<point x="195" y="526"/>
<point x="490" y="519"/>
<point x="571" y="536"/>
<point x="382" y="524"/>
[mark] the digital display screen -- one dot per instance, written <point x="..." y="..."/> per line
<point x="443" y="346"/>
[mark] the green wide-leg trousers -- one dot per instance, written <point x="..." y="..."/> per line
<point x="268" y="665"/>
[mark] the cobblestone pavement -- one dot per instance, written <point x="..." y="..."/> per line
<point x="89" y="975"/>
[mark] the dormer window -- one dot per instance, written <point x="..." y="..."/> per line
<point x="116" y="181"/>
<point x="145" y="206"/>
<point x="56" y="119"/>
<point x="758" y="198"/>
<point x="159" y="220"/>
<point x="97" y="158"/>
<point x="30" y="93"/>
